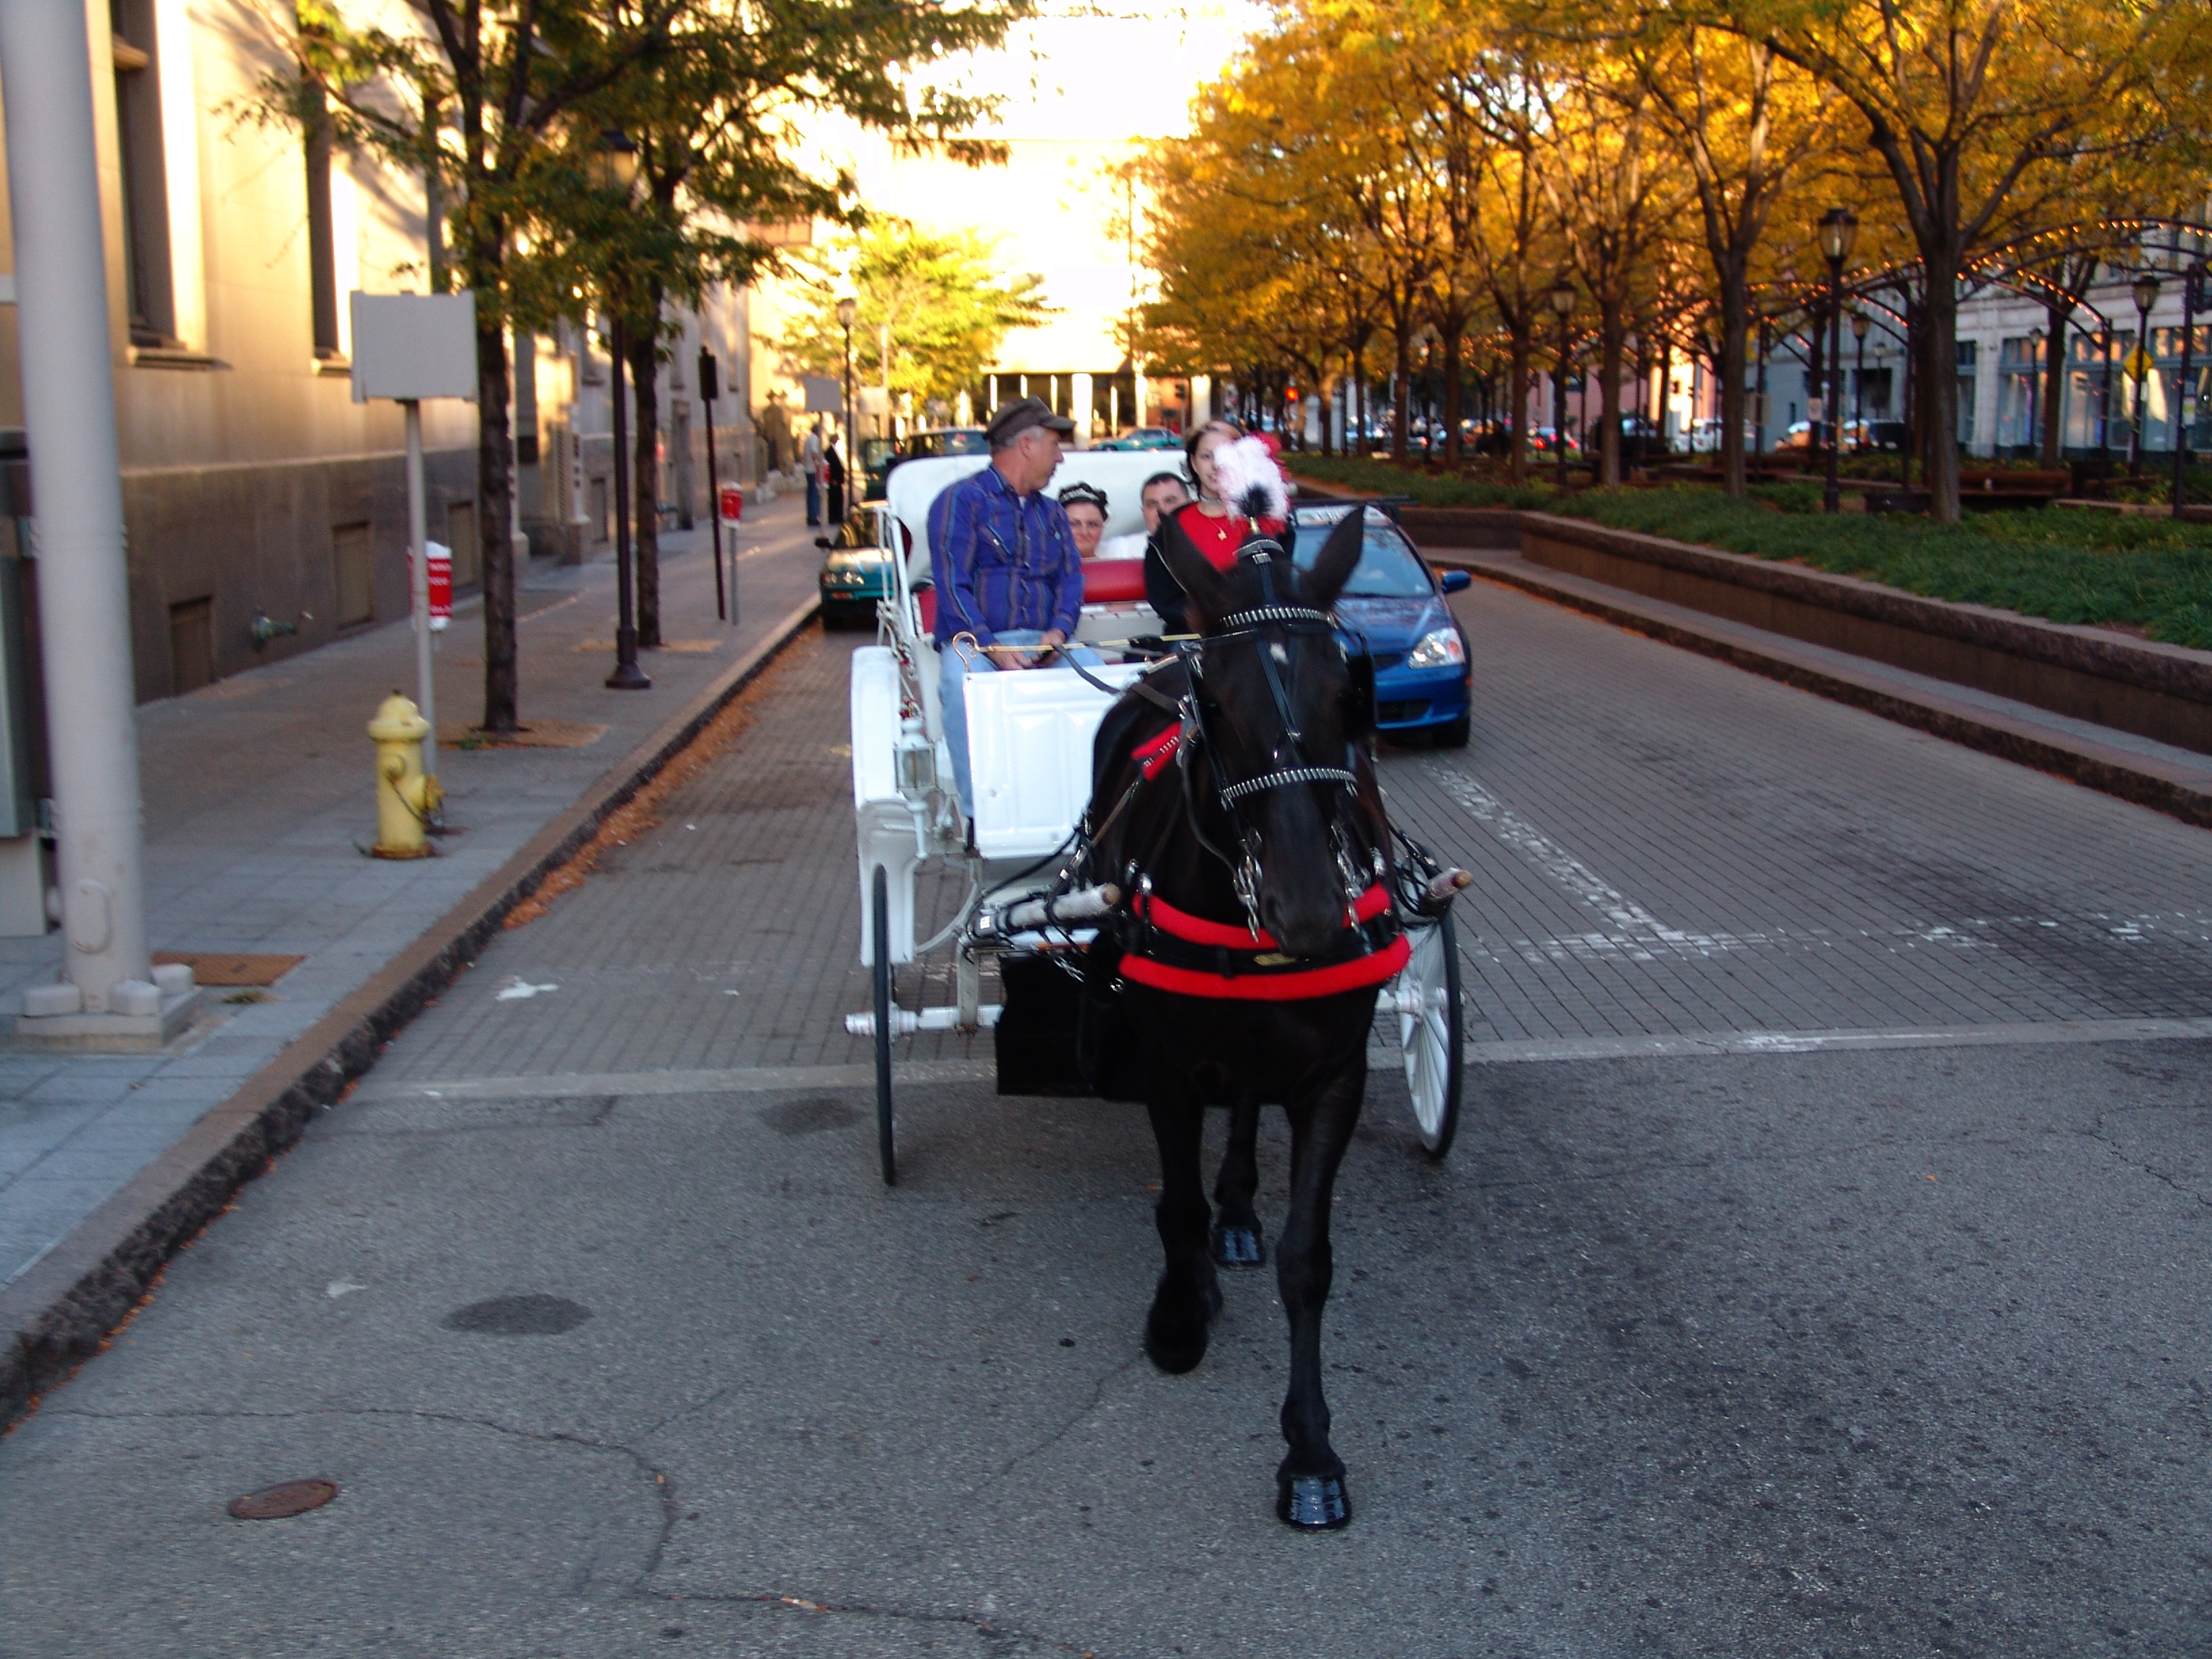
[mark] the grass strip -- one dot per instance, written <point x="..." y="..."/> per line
<point x="2063" y="564"/>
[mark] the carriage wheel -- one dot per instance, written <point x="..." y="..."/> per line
<point x="881" y="921"/>
<point x="1428" y="1032"/>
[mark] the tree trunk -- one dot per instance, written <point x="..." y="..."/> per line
<point x="1455" y="394"/>
<point x="1736" y="333"/>
<point x="645" y="474"/>
<point x="1611" y="330"/>
<point x="2054" y="384"/>
<point x="1516" y="467"/>
<point x="494" y="453"/>
<point x="1939" y="373"/>
<point x="1401" y="387"/>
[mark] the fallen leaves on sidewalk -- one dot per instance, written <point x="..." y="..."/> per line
<point x="641" y="813"/>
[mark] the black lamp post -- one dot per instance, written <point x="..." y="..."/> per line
<point x="2034" y="386"/>
<point x="2185" y="401"/>
<point x="1838" y="226"/>
<point x="847" y="308"/>
<point x="2146" y="288"/>
<point x="1562" y="305"/>
<point x="1860" y="323"/>
<point x="614" y="171"/>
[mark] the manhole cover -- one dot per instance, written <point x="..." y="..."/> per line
<point x="275" y="1503"/>
<point x="519" y="1315"/>
<point x="810" y="1117"/>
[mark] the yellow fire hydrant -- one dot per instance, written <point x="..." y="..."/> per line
<point x="405" y="797"/>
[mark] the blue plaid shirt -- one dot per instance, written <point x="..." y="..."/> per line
<point x="1002" y="561"/>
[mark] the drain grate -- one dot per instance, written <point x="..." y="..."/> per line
<point x="533" y="1315"/>
<point x="277" y="1502"/>
<point x="231" y="967"/>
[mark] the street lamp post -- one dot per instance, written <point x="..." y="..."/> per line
<point x="1562" y="305"/>
<point x="614" y="171"/>
<point x="1860" y="323"/>
<point x="2146" y="289"/>
<point x="2184" y="412"/>
<point x="2034" y="386"/>
<point x="1838" y="226"/>
<point x="847" y="309"/>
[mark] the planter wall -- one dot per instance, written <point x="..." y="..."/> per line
<point x="2159" y="691"/>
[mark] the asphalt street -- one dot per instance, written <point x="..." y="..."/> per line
<point x="1856" y="1312"/>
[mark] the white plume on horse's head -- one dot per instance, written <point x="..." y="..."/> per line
<point x="1247" y="478"/>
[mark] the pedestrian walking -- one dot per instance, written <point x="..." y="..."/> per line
<point x="810" y="460"/>
<point x="833" y="473"/>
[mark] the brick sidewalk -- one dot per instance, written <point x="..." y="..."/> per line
<point x="259" y="795"/>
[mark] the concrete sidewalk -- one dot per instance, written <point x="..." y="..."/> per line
<point x="258" y="794"/>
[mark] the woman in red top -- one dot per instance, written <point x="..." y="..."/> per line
<point x="1216" y="524"/>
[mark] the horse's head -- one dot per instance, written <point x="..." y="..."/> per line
<point x="1277" y="702"/>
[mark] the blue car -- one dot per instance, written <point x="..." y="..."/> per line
<point x="1394" y="605"/>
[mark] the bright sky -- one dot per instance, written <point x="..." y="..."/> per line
<point x="1116" y="69"/>
<point x="1082" y="83"/>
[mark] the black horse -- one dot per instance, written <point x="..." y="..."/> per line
<point x="1234" y="803"/>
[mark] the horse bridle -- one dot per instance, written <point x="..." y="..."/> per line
<point x="1277" y="664"/>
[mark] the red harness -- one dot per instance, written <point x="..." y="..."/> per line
<point x="1243" y="970"/>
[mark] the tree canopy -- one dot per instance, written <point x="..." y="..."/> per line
<point x="1424" y="175"/>
<point x="936" y="302"/>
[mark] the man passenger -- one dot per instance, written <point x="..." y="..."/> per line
<point x="1009" y="579"/>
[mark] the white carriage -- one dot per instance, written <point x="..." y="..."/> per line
<point x="1029" y="748"/>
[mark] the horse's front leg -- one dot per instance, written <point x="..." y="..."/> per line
<point x="1237" y="1238"/>
<point x="1309" y="1485"/>
<point x="1187" y="1298"/>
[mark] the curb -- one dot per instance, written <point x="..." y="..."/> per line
<point x="2109" y="770"/>
<point x="58" y="1313"/>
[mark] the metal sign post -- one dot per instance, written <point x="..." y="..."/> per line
<point x="409" y="347"/>
<point x="710" y="387"/>
<point x="729" y="507"/>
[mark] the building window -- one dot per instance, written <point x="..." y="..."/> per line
<point x="2019" y="380"/>
<point x="150" y="293"/>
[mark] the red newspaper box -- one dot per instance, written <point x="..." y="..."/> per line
<point x="439" y="564"/>
<point x="733" y="504"/>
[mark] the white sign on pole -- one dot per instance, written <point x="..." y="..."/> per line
<point x="411" y="346"/>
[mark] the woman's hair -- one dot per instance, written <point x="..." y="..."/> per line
<point x="1191" y="442"/>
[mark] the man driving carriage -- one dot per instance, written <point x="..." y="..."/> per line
<point x="1009" y="578"/>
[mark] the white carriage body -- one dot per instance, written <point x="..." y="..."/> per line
<point x="1030" y="735"/>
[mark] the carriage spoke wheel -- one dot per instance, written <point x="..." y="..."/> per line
<point x="1429" y="1031"/>
<point x="880" y="923"/>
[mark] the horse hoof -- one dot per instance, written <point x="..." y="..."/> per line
<point x="1239" y="1246"/>
<point x="1313" y="1503"/>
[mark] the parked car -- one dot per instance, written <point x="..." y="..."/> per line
<point x="1142" y="437"/>
<point x="1544" y="440"/>
<point x="1394" y="606"/>
<point x="945" y="441"/>
<point x="856" y="570"/>
<point x="1706" y="437"/>
<point x="878" y="457"/>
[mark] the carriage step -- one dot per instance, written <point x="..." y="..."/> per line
<point x="905" y="1022"/>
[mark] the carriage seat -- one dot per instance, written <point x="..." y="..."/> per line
<point x="1105" y="581"/>
<point x="1113" y="581"/>
<point x="1028" y="751"/>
